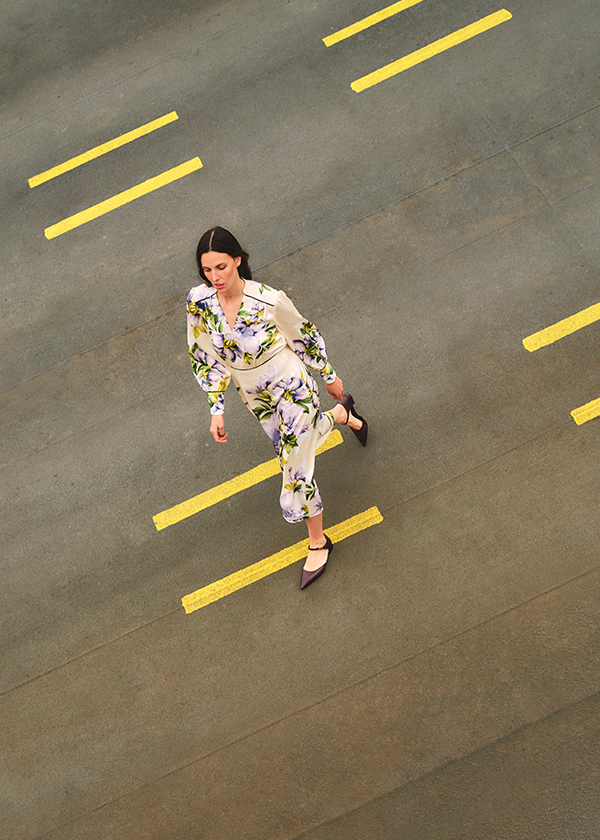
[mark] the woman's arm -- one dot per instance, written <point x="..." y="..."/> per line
<point x="217" y="428"/>
<point x="210" y="373"/>
<point x="305" y="340"/>
<point x="336" y="388"/>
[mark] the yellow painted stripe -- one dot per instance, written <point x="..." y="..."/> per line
<point x="123" y="198"/>
<point x="97" y="151"/>
<point x="365" y="23"/>
<point x="432" y="49"/>
<point x="586" y="412"/>
<point x="231" y="487"/>
<point x="562" y="328"/>
<point x="231" y="583"/>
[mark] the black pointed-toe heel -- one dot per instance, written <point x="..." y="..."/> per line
<point x="308" y="577"/>
<point x="348" y="402"/>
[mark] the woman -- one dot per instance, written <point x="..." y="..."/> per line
<point x="241" y="330"/>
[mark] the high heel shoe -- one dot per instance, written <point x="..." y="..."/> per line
<point x="348" y="402"/>
<point x="308" y="577"/>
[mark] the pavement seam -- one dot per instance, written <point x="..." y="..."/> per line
<point x="553" y="205"/>
<point x="507" y="148"/>
<point x="510" y="147"/>
<point x="384" y="510"/>
<point x="323" y="313"/>
<point x="91" y="349"/>
<point x="553" y="126"/>
<point x="90" y="651"/>
<point x="528" y="176"/>
<point x="212" y="37"/>
<point x="562" y="424"/>
<point x="85" y="429"/>
<point x="483" y="236"/>
<point x="337" y="693"/>
<point x="391" y="203"/>
<point x="171" y="57"/>
<point x="450" y="762"/>
<point x="278" y="259"/>
<point x="125" y="408"/>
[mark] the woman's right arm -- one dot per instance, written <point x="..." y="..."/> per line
<point x="217" y="428"/>
<point x="212" y="376"/>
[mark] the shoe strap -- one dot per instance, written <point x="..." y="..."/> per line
<point x="321" y="547"/>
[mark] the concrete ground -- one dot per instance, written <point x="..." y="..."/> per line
<point x="442" y="679"/>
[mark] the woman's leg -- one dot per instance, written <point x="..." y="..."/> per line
<point x="316" y="539"/>
<point x="302" y="429"/>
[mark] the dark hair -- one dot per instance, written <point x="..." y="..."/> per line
<point x="223" y="242"/>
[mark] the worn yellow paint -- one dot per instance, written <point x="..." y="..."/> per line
<point x="98" y="151"/>
<point x="238" y="580"/>
<point x="231" y="487"/>
<point x="435" y="48"/>
<point x="123" y="198"/>
<point x="371" y="20"/>
<point x="586" y="412"/>
<point x="562" y="328"/>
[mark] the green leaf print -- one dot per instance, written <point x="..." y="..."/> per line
<point x="288" y="442"/>
<point x="211" y="319"/>
<point x="311" y="491"/>
<point x="266" y="407"/>
<point x="271" y="331"/>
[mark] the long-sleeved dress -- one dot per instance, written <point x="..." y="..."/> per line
<point x="266" y="354"/>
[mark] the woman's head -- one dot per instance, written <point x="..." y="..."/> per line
<point x="222" y="242"/>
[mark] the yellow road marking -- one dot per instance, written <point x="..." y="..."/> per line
<point x="231" y="583"/>
<point x="562" y="328"/>
<point x="97" y="151"/>
<point x="365" y="23"/>
<point x="231" y="487"/>
<point x="432" y="49"/>
<point x="123" y="198"/>
<point x="586" y="412"/>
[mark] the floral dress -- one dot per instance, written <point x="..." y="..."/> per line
<point x="266" y="354"/>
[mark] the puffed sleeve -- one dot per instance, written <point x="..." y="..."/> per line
<point x="211" y="374"/>
<point x="303" y="337"/>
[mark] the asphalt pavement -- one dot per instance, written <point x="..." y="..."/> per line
<point x="441" y="681"/>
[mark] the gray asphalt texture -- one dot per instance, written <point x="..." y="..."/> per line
<point x="442" y="680"/>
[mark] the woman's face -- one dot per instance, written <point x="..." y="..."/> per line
<point x="221" y="270"/>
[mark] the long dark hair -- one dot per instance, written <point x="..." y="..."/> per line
<point x="223" y="242"/>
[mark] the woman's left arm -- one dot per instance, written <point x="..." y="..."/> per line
<point x="336" y="388"/>
<point x="306" y="341"/>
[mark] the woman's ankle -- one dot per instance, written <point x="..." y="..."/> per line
<point x="354" y="422"/>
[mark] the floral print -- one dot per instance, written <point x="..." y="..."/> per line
<point x="266" y="354"/>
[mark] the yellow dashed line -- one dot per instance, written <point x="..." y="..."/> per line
<point x="123" y="198"/>
<point x="97" y="151"/>
<point x="432" y="49"/>
<point x="238" y="580"/>
<point x="365" y="23"/>
<point x="231" y="487"/>
<point x="562" y="328"/>
<point x="586" y="412"/>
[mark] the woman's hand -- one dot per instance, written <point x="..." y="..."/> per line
<point x="217" y="428"/>
<point x="336" y="389"/>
